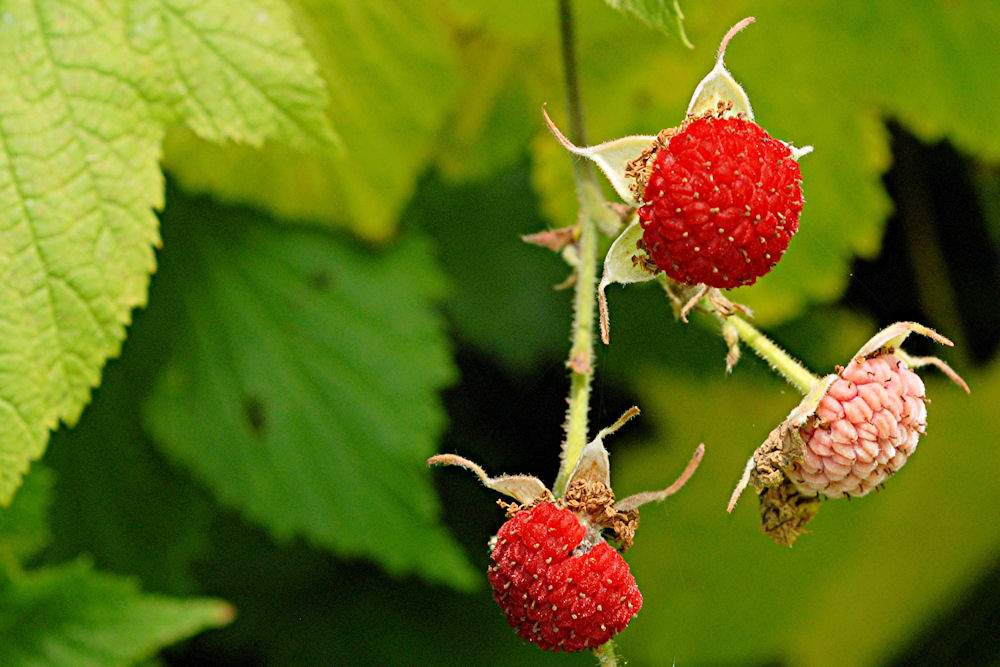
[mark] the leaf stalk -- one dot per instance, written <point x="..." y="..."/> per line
<point x="776" y="357"/>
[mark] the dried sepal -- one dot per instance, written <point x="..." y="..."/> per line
<point x="781" y="448"/>
<point x="593" y="465"/>
<point x="686" y="298"/>
<point x="919" y="362"/>
<point x="798" y="152"/>
<point x="525" y="489"/>
<point x="784" y="512"/>
<point x="611" y="157"/>
<point x="732" y="338"/>
<point x="637" y="500"/>
<point x="554" y="239"/>
<point x="625" y="263"/>
<point x="683" y="298"/>
<point x="621" y="421"/>
<point x="723" y="306"/>
<point x="588" y="490"/>
<point x="719" y="92"/>
<point x="891" y="338"/>
<point x="691" y="299"/>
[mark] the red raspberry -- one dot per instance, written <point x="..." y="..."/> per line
<point x="865" y="428"/>
<point x="556" y="589"/>
<point x="723" y="201"/>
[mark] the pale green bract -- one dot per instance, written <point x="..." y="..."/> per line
<point x="85" y="90"/>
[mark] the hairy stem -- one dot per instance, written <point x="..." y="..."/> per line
<point x="581" y="354"/>
<point x="607" y="654"/>
<point x="777" y="358"/>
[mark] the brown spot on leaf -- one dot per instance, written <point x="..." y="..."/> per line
<point x="319" y="280"/>
<point x="253" y="410"/>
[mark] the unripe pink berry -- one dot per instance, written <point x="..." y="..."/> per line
<point x="864" y="430"/>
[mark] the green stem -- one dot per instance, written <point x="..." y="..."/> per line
<point x="607" y="654"/>
<point x="577" y="131"/>
<point x="581" y="354"/>
<point x="794" y="372"/>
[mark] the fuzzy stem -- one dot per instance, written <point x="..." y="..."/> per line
<point x="607" y="654"/>
<point x="581" y="354"/>
<point x="778" y="359"/>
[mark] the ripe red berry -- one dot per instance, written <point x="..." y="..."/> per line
<point x="864" y="430"/>
<point x="722" y="202"/>
<point x="557" y="588"/>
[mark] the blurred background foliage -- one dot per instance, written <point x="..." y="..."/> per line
<point x="322" y="322"/>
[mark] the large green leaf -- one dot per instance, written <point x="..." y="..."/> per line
<point x="867" y="577"/>
<point x="85" y="88"/>
<point x="303" y="384"/>
<point x="391" y="71"/>
<point x="78" y="177"/>
<point x="71" y="615"/>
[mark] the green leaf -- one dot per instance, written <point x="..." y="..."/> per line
<point x="664" y="15"/>
<point x="232" y="70"/>
<point x="391" y="71"/>
<point x="24" y="526"/>
<point x="913" y="545"/>
<point x="312" y="368"/>
<point x="84" y="92"/>
<point x="78" y="178"/>
<point x="74" y="616"/>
